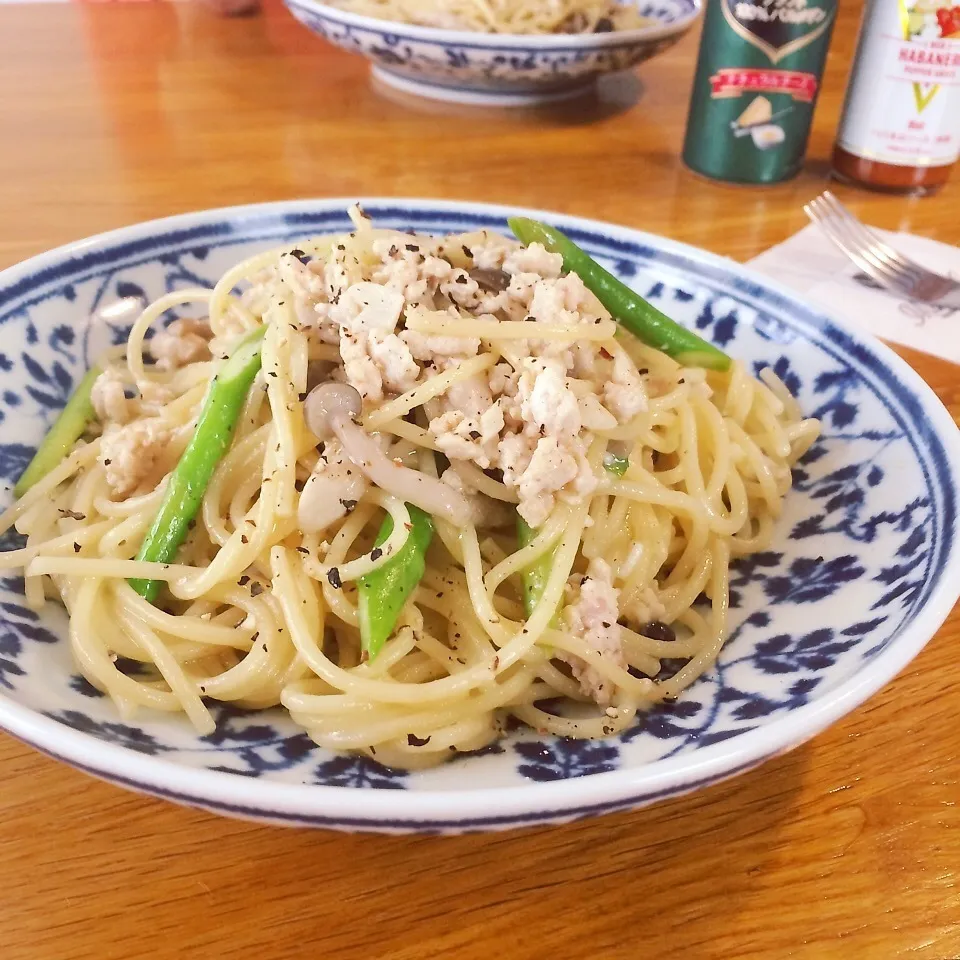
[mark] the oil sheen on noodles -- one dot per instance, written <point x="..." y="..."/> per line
<point x="504" y="16"/>
<point x="261" y="606"/>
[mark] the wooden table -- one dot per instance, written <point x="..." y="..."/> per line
<point x="849" y="847"/>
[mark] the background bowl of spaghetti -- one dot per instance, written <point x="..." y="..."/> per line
<point x="864" y="567"/>
<point x="495" y="69"/>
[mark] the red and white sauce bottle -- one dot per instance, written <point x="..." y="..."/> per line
<point x="900" y="129"/>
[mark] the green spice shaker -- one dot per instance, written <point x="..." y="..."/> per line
<point x="758" y="76"/>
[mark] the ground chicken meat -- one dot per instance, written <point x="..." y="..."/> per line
<point x="625" y="395"/>
<point x="547" y="403"/>
<point x="559" y="302"/>
<point x="398" y="370"/>
<point x="469" y="438"/>
<point x="130" y="454"/>
<point x="377" y="361"/>
<point x="534" y="259"/>
<point x="594" y="618"/>
<point x="471" y="397"/>
<point x="110" y="402"/>
<point x="185" y="341"/>
<point x="551" y="467"/>
<point x="491" y="252"/>
<point x="374" y="357"/>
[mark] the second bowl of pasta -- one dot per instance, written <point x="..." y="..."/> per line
<point x="498" y="52"/>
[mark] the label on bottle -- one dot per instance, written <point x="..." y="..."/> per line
<point x="757" y="80"/>
<point x="903" y="105"/>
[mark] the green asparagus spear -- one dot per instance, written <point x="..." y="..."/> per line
<point x="65" y="432"/>
<point x="618" y="466"/>
<point x="626" y="306"/>
<point x="383" y="593"/>
<point x="535" y="577"/>
<point x="211" y="439"/>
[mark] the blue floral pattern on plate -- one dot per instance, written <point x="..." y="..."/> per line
<point x="862" y="547"/>
<point x="456" y="65"/>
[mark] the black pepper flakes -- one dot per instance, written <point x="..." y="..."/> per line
<point x="415" y="741"/>
<point x="243" y="538"/>
<point x="376" y="553"/>
<point x="302" y="396"/>
<point x="256" y="589"/>
<point x="107" y="463"/>
<point x="333" y="578"/>
<point x="243" y="581"/>
<point x="467" y="252"/>
<point x="72" y="515"/>
<point x="304" y="551"/>
<point x="658" y="630"/>
<point x="413" y="248"/>
<point x="76" y="547"/>
<point x="349" y="505"/>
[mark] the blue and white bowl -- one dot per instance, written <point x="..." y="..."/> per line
<point x="497" y="70"/>
<point x="864" y="568"/>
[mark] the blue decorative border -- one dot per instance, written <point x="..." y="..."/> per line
<point x="246" y="225"/>
<point x="535" y="818"/>
<point x="394" y="31"/>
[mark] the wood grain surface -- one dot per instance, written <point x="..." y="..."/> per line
<point x="846" y="848"/>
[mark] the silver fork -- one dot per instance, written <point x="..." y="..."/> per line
<point x="878" y="259"/>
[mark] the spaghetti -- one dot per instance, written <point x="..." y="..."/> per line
<point x="457" y="419"/>
<point x="505" y="16"/>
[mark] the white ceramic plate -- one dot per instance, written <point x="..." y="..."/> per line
<point x="864" y="569"/>
<point x="503" y="70"/>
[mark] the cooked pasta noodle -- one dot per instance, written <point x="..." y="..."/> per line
<point x="505" y="16"/>
<point x="490" y="383"/>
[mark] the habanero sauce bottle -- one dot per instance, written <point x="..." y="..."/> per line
<point x="757" y="80"/>
<point x="900" y="130"/>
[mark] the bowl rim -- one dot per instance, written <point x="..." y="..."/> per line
<point x="511" y="41"/>
<point x="535" y="802"/>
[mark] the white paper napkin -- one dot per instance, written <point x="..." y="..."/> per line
<point x="810" y="264"/>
